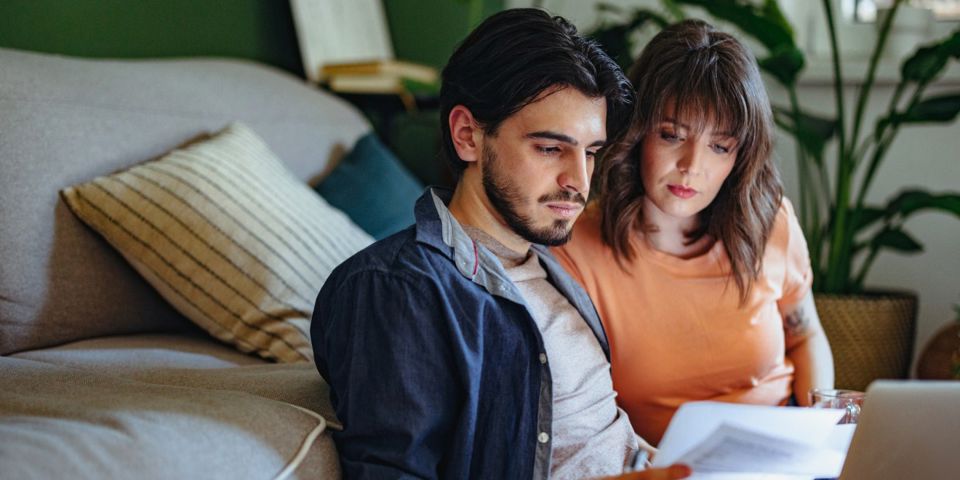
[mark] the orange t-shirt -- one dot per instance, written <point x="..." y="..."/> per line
<point x="677" y="332"/>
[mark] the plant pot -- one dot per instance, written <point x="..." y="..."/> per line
<point x="871" y="335"/>
<point x="941" y="355"/>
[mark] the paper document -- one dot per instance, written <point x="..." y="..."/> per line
<point x="718" y="439"/>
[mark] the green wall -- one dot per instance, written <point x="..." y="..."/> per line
<point x="255" y="29"/>
<point x="425" y="31"/>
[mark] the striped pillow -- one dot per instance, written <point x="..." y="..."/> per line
<point x="228" y="236"/>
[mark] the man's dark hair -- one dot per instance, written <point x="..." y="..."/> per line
<point x="514" y="56"/>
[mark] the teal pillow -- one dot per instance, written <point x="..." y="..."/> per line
<point x="372" y="188"/>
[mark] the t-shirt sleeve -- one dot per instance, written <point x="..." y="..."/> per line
<point x="566" y="257"/>
<point x="798" y="275"/>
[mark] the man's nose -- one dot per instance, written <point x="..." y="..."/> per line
<point x="576" y="175"/>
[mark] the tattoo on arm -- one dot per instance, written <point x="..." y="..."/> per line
<point x="797" y="322"/>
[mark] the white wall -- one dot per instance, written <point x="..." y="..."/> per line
<point x="927" y="156"/>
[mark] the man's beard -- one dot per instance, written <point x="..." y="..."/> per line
<point x="506" y="197"/>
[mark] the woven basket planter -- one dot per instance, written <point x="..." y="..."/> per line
<point x="871" y="335"/>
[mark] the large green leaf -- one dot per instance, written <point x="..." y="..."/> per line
<point x="896" y="239"/>
<point x="638" y="16"/>
<point x="765" y="23"/>
<point x="952" y="44"/>
<point x="911" y="201"/>
<point x="924" y="64"/>
<point x="813" y="132"/>
<point x="865" y="217"/>
<point x="642" y="16"/>
<point x="941" y="108"/>
<point x="617" y="38"/>
<point x="676" y="11"/>
<point x="937" y="109"/>
<point x="784" y="64"/>
<point x="615" y="41"/>
<point x="771" y="10"/>
<point x="928" y="61"/>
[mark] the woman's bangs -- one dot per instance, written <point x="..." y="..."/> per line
<point x="699" y="104"/>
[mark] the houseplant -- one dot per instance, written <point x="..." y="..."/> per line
<point x="837" y="162"/>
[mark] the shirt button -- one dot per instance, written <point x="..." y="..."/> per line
<point x="543" y="437"/>
<point x="543" y="358"/>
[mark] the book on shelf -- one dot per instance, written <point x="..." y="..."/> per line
<point x="358" y="83"/>
<point x="380" y="69"/>
<point x="346" y="45"/>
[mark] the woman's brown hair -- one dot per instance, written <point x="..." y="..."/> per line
<point x="709" y="77"/>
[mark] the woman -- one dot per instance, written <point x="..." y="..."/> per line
<point x="695" y="261"/>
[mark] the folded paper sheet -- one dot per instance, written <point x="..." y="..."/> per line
<point x="722" y="440"/>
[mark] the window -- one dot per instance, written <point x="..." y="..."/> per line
<point x="866" y="10"/>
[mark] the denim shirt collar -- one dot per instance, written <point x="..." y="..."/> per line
<point x="437" y="227"/>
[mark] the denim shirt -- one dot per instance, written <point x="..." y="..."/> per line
<point x="436" y="367"/>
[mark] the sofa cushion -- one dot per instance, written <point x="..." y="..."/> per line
<point x="228" y="236"/>
<point x="127" y="355"/>
<point x="67" y="120"/>
<point x="373" y="188"/>
<point x="234" y="423"/>
<point x="192" y="361"/>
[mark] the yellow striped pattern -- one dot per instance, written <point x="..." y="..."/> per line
<point x="228" y="236"/>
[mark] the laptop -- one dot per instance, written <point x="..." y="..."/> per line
<point x="907" y="430"/>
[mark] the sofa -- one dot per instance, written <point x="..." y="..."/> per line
<point x="100" y="375"/>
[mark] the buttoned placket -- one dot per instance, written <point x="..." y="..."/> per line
<point x="544" y="447"/>
<point x="489" y="273"/>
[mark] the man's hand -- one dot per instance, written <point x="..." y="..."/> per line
<point x="673" y="472"/>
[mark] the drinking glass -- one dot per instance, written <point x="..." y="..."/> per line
<point x="849" y="400"/>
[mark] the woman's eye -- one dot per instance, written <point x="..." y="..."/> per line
<point x="720" y="149"/>
<point x="669" y="136"/>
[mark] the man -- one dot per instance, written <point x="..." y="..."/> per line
<point x="458" y="348"/>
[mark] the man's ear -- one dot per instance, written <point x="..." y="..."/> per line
<point x="465" y="133"/>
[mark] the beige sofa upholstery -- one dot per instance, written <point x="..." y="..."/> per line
<point x="99" y="376"/>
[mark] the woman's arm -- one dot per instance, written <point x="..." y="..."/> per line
<point x="808" y="348"/>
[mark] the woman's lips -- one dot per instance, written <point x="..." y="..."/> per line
<point x="682" y="191"/>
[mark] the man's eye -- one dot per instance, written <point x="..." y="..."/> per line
<point x="548" y="150"/>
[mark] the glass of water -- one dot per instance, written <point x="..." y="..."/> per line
<point x="849" y="400"/>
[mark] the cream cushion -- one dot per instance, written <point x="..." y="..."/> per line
<point x="226" y="235"/>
